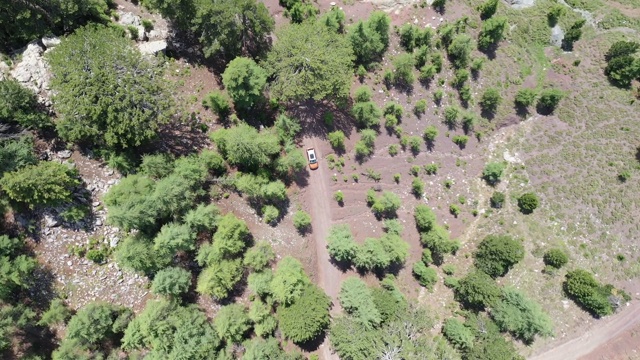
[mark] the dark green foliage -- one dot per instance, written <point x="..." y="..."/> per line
<point x="264" y="322"/>
<point x="493" y="172"/>
<point x="412" y="37"/>
<point x="417" y="187"/>
<point x="287" y="128"/>
<point x="367" y="114"/>
<point x="351" y="340"/>
<point x="218" y="102"/>
<point x="477" y="290"/>
<point x="22" y="22"/>
<point x="309" y="61"/>
<point x="307" y="317"/>
<point x="573" y="34"/>
<point x="156" y="166"/>
<point x="451" y="114"/>
<point x="260" y="283"/>
<point x="171" y="282"/>
<point x="489" y="343"/>
<point x="243" y="146"/>
<point x="232" y="323"/>
<point x="488" y="8"/>
<point x="173" y="238"/>
<point x="496" y="254"/>
<point x="549" y="100"/>
<point x="492" y="32"/>
<point x="458" y="334"/>
<point x="403" y="65"/>
<point x="137" y="254"/>
<point x="170" y="331"/>
<point x="16" y="154"/>
<point x="420" y="107"/>
<point x="94" y="323"/>
<point x="15" y="269"/>
<point x="459" y="50"/>
<point x="490" y="100"/>
<point x="301" y="11"/>
<point x="622" y="66"/>
<point x="19" y="106"/>
<point x="46" y="183"/>
<point x="219" y="278"/>
<point x="244" y="80"/>
<point x="334" y="19"/>
<point x="369" y="39"/>
<point x="261" y="349"/>
<point x="521" y="316"/>
<point x="340" y="243"/>
<point x="554" y="14"/>
<point x="289" y="281"/>
<point x="388" y="300"/>
<point x="425" y="275"/>
<point x="497" y="199"/>
<point x="259" y="256"/>
<point x="336" y="139"/>
<point x="270" y="214"/>
<point x="525" y="97"/>
<point x="438" y="241"/>
<point x="528" y="202"/>
<point x="356" y="299"/>
<point x="587" y="292"/>
<point x="555" y="258"/>
<point x="430" y="134"/>
<point x="57" y="314"/>
<point x="99" y="63"/>
<point x="202" y="218"/>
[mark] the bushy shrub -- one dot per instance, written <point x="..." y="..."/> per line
<point x="528" y="202"/>
<point x="555" y="258"/>
<point x="341" y="244"/>
<point x="336" y="139"/>
<point x="425" y="275"/>
<point x="367" y="114"/>
<point x="420" y="107"/>
<point x="404" y="69"/>
<point x="430" y="134"/>
<point x="46" y="183"/>
<point x="386" y="205"/>
<point x="492" y="32"/>
<point x="549" y="100"/>
<point x="19" y="106"/>
<point x="301" y="220"/>
<point x="490" y="100"/>
<point x="477" y="290"/>
<point x="417" y="187"/>
<point x="497" y="199"/>
<point x="460" y="140"/>
<point x="585" y="290"/>
<point x="307" y="317"/>
<point x="497" y="254"/>
<point x="525" y="97"/>
<point x="457" y="334"/>
<point x="493" y="172"/>
<point x="218" y="102"/>
<point x="270" y="214"/>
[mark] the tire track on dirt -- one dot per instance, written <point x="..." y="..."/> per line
<point x="319" y="199"/>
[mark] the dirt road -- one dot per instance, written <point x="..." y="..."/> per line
<point x="581" y="347"/>
<point x="319" y="198"/>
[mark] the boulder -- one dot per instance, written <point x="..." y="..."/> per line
<point x="50" y="41"/>
<point x="128" y="18"/>
<point x="32" y="71"/>
<point x="557" y="35"/>
<point x="521" y="4"/>
<point x="152" y="47"/>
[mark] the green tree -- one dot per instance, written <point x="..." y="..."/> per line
<point x="525" y="97"/>
<point x="351" y="339"/>
<point x="171" y="282"/>
<point x="289" y="281"/>
<point x="156" y="166"/>
<point x="309" y="61"/>
<point x="496" y="254"/>
<point x="490" y="100"/>
<point x="497" y="199"/>
<point x="386" y="205"/>
<point x="93" y="323"/>
<point x="459" y="50"/>
<point x="244" y="80"/>
<point x="488" y="8"/>
<point x="554" y="14"/>
<point x="621" y="70"/>
<point x="259" y="256"/>
<point x="219" y="278"/>
<point x="46" y="183"/>
<point x="16" y="154"/>
<point x="232" y="323"/>
<point x="336" y="139"/>
<point x="528" y="202"/>
<point x="403" y="65"/>
<point x="521" y="316"/>
<point x="261" y="349"/>
<point x="492" y="32"/>
<point x="458" y="334"/>
<point x="356" y="299"/>
<point x="230" y="239"/>
<point x="477" y="290"/>
<point x="203" y="217"/>
<point x="263" y="320"/>
<point x="573" y="34"/>
<point x="218" y="102"/>
<point x="19" y="106"/>
<point x="243" y="146"/>
<point x="99" y="63"/>
<point x="260" y="283"/>
<point x="367" y="114"/>
<point x="555" y="258"/>
<point x="549" y="100"/>
<point x="425" y="275"/>
<point x="438" y="241"/>
<point x="334" y="19"/>
<point x="301" y="220"/>
<point x="166" y="330"/>
<point x="587" y="292"/>
<point x="493" y="172"/>
<point x="174" y="237"/>
<point x="340" y="243"/>
<point x="307" y="317"/>
<point x="287" y="128"/>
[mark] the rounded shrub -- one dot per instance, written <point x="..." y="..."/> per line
<point x="528" y="202"/>
<point x="555" y="258"/>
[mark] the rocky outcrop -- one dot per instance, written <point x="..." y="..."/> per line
<point x="32" y="70"/>
<point x="557" y="35"/>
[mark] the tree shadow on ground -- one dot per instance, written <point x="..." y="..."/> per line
<point x="310" y="113"/>
<point x="343" y="266"/>
<point x="180" y="139"/>
<point x="314" y="344"/>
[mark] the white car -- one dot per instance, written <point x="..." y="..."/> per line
<point x="313" y="160"/>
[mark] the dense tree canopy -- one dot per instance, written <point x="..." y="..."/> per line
<point x="521" y="316"/>
<point x="307" y="317"/>
<point x="19" y="106"/>
<point x="100" y="63"/>
<point x="244" y="80"/>
<point x="309" y="61"/>
<point x="496" y="254"/>
<point x="46" y="183"/>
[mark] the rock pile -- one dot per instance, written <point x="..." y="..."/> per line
<point x="32" y="71"/>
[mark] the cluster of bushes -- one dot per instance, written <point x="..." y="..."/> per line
<point x="371" y="327"/>
<point x="385" y="205"/>
<point x="432" y="235"/>
<point x="375" y="254"/>
<point x="598" y="299"/>
<point x="370" y="39"/>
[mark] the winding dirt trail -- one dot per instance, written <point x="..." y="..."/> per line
<point x="319" y="199"/>
<point x="595" y="337"/>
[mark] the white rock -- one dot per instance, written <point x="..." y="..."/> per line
<point x="153" y="47"/>
<point x="129" y="19"/>
<point x="64" y="154"/>
<point x="50" y="221"/>
<point x="50" y="41"/>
